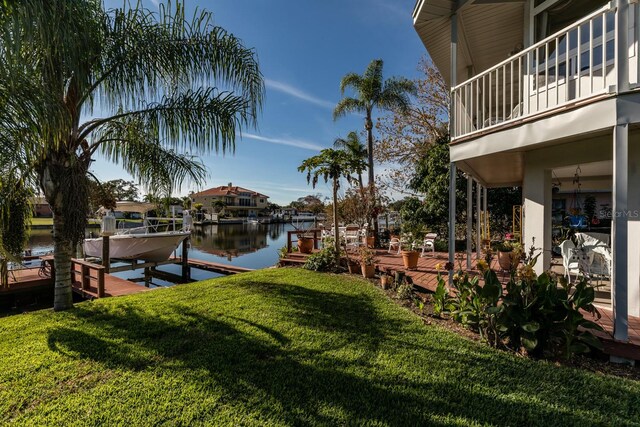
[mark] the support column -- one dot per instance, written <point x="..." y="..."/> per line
<point x="536" y="192"/>
<point x="485" y="209"/>
<point x="619" y="276"/>
<point x="452" y="126"/>
<point x="469" y="220"/>
<point x="478" y="215"/>
<point x="452" y="218"/>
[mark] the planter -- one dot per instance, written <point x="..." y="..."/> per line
<point x="354" y="267"/>
<point x="369" y="241"/>
<point x="305" y="245"/>
<point x="410" y="259"/>
<point x="504" y="260"/>
<point x="368" y="271"/>
<point x="385" y="279"/>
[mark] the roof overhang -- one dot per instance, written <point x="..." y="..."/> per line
<point x="488" y="32"/>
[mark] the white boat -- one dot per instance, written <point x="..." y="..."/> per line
<point x="144" y="243"/>
<point x="152" y="247"/>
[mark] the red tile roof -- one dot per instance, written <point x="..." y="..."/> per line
<point x="228" y="190"/>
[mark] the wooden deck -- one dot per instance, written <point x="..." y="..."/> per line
<point x="425" y="279"/>
<point x="87" y="276"/>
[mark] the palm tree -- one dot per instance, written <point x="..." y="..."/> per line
<point x="356" y="150"/>
<point x="331" y="164"/>
<point x="373" y="92"/>
<point x="129" y="84"/>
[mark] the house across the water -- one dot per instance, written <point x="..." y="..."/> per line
<point x="232" y="201"/>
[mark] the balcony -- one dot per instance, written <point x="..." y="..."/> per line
<point x="570" y="68"/>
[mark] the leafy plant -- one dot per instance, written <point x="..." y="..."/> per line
<point x="537" y="315"/>
<point x="404" y="288"/>
<point x="323" y="260"/>
<point x="367" y="256"/>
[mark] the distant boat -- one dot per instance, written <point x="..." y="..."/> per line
<point x="144" y="243"/>
<point x="303" y="217"/>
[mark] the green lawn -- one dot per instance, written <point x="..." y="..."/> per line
<point x="280" y="347"/>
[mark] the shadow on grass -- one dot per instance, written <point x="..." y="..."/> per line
<point x="260" y="367"/>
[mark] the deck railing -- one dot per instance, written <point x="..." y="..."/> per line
<point x="574" y="64"/>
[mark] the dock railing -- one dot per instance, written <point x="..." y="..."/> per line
<point x="88" y="271"/>
<point x="575" y="64"/>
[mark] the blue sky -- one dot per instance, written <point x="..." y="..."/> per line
<point x="304" y="48"/>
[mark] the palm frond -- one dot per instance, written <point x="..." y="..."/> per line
<point x="348" y="105"/>
<point x="350" y="80"/>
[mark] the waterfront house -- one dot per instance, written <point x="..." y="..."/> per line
<point x="238" y="202"/>
<point x="540" y="87"/>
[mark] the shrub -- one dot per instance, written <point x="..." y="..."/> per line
<point x="535" y="314"/>
<point x="323" y="260"/>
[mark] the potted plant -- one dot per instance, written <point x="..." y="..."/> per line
<point x="367" y="262"/>
<point x="369" y="241"/>
<point x="305" y="242"/>
<point x="509" y="255"/>
<point x="409" y="255"/>
<point x="353" y="265"/>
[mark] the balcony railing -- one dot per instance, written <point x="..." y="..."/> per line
<point x="575" y="64"/>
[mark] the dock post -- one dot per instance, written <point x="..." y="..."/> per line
<point x="106" y="261"/>
<point x="186" y="270"/>
<point x="147" y="276"/>
<point x="84" y="279"/>
<point x="100" y="284"/>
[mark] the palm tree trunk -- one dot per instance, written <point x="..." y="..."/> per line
<point x="369" y="127"/>
<point x="360" y="182"/>
<point x="63" y="298"/>
<point x="336" y="232"/>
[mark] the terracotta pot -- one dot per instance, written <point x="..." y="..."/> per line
<point x="384" y="281"/>
<point x="504" y="260"/>
<point x="305" y="245"/>
<point x="369" y="241"/>
<point x="368" y="271"/>
<point x="354" y="267"/>
<point x="410" y="259"/>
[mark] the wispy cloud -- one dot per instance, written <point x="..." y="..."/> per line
<point x="290" y="142"/>
<point x="298" y="93"/>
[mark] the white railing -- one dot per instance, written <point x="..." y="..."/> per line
<point x="576" y="63"/>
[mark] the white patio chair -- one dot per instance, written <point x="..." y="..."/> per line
<point x="428" y="244"/>
<point x="395" y="244"/>
<point x="574" y="260"/>
<point x="352" y="235"/>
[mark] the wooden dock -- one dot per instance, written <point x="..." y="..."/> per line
<point x="90" y="280"/>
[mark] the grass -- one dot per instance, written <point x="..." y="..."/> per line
<point x="280" y="347"/>
<point x="41" y="221"/>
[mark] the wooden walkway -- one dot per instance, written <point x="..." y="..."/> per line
<point x="87" y="276"/>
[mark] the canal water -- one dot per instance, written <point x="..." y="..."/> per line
<point x="253" y="246"/>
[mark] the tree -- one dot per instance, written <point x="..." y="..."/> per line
<point x="407" y="135"/>
<point x="331" y="164"/>
<point x="372" y="91"/>
<point x="155" y="76"/>
<point x="122" y="190"/>
<point x="355" y="149"/>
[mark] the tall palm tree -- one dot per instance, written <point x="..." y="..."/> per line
<point x="137" y="87"/>
<point x="356" y="150"/>
<point x="331" y="164"/>
<point x="372" y="91"/>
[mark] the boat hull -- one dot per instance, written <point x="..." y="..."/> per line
<point x="151" y="247"/>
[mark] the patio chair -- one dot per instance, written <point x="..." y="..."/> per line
<point x="574" y="260"/>
<point x="352" y="235"/>
<point x="395" y="244"/>
<point x="428" y="244"/>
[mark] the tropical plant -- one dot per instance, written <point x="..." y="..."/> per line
<point x="367" y="256"/>
<point x="325" y="259"/>
<point x="152" y="75"/>
<point x="357" y="150"/>
<point x="330" y="164"/>
<point x="372" y="91"/>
